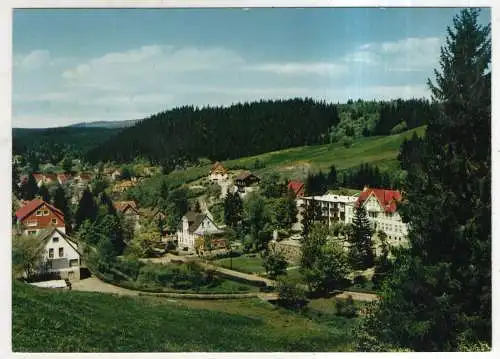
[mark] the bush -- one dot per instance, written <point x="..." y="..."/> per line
<point x="346" y="308"/>
<point x="360" y="280"/>
<point x="290" y="295"/>
<point x="346" y="141"/>
<point x="400" y="127"/>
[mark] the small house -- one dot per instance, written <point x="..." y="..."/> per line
<point x="194" y="227"/>
<point x="245" y="179"/>
<point x="297" y="187"/>
<point x="218" y="172"/>
<point x="129" y="210"/>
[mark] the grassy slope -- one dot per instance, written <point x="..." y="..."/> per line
<point x="381" y="150"/>
<point x="45" y="321"/>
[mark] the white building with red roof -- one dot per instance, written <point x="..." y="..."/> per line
<point x="381" y="208"/>
<point x="37" y="215"/>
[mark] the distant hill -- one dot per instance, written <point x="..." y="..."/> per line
<point x="106" y="124"/>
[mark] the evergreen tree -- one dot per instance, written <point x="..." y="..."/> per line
<point x="164" y="191"/>
<point x="62" y="204"/>
<point x="311" y="213"/>
<point x="87" y="209"/>
<point x="438" y="296"/>
<point x="29" y="189"/>
<point x="361" y="248"/>
<point x="44" y="194"/>
<point x="233" y="209"/>
<point x="67" y="165"/>
<point x="332" y="178"/>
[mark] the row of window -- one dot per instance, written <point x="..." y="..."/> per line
<point x="61" y="252"/>
<point x="34" y="222"/>
<point x="44" y="212"/>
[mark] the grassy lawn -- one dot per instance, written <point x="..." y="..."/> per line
<point x="380" y="150"/>
<point x="67" y="321"/>
<point x="243" y="264"/>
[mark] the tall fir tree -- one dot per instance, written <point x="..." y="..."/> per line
<point x="87" y="209"/>
<point x="29" y="189"/>
<point x="61" y="203"/>
<point x="361" y="254"/>
<point x="438" y="297"/>
<point x="44" y="194"/>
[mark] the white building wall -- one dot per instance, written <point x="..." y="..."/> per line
<point x="57" y="241"/>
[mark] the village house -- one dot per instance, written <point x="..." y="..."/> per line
<point x="123" y="186"/>
<point x="37" y="215"/>
<point x="297" y="187"/>
<point x="218" y="173"/>
<point x="64" y="178"/>
<point x="194" y="227"/>
<point x="130" y="212"/>
<point x="44" y="179"/>
<point x="116" y="175"/>
<point x="60" y="255"/>
<point x="381" y="208"/>
<point x="334" y="208"/>
<point x="245" y="180"/>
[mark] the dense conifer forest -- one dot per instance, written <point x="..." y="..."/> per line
<point x="188" y="133"/>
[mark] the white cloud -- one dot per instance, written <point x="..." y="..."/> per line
<point x="304" y="68"/>
<point x="406" y="55"/>
<point x="34" y="60"/>
<point x="142" y="81"/>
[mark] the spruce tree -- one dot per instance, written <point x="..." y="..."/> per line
<point x="29" y="189"/>
<point x="44" y="194"/>
<point x="61" y="203"/>
<point x="438" y="297"/>
<point x="87" y="209"/>
<point x="361" y="248"/>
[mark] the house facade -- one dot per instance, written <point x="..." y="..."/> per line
<point x="44" y="179"/>
<point x="129" y="211"/>
<point x="334" y="208"/>
<point x="37" y="215"/>
<point x="381" y="208"/>
<point x="193" y="227"/>
<point x="245" y="180"/>
<point x="60" y="254"/>
<point x="218" y="173"/>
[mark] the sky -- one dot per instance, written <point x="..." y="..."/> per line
<point x="83" y="65"/>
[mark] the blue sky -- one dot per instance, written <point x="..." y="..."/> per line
<point x="80" y="65"/>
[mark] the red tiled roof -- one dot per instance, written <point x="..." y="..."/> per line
<point x="38" y="176"/>
<point x="64" y="177"/>
<point x="31" y="206"/>
<point x="388" y="199"/>
<point x="296" y="186"/>
<point x="51" y="176"/>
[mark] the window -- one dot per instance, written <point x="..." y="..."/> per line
<point x="46" y="212"/>
<point x="73" y="263"/>
<point x="61" y="252"/>
<point x="32" y="223"/>
<point x="54" y="221"/>
<point x="51" y="252"/>
<point x="31" y="233"/>
<point x="38" y="213"/>
<point x="55" y="239"/>
<point x="372" y="214"/>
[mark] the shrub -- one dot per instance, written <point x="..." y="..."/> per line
<point x="346" y="308"/>
<point x="346" y="141"/>
<point x="400" y="127"/>
<point x="290" y="295"/>
<point x="360" y="280"/>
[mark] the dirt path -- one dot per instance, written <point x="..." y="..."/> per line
<point x="362" y="297"/>
<point x="94" y="284"/>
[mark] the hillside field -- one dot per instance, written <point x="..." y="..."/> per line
<point x="45" y="320"/>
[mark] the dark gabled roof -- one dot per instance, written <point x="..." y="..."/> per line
<point x="244" y="175"/>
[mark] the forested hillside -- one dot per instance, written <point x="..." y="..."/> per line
<point x="186" y="134"/>
<point x="50" y="145"/>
